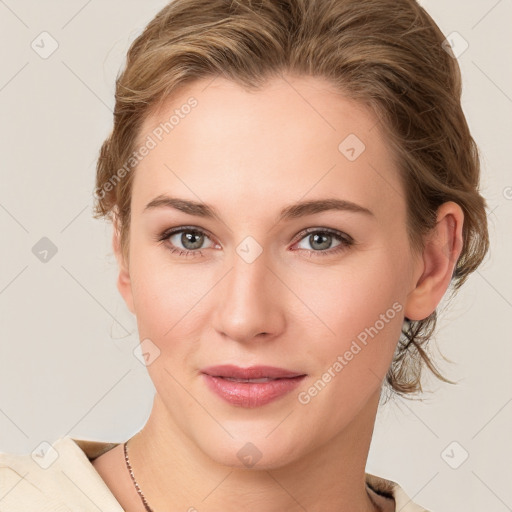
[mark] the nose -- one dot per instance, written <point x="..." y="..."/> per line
<point x="251" y="300"/>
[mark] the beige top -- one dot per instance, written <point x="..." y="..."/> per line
<point x="61" y="478"/>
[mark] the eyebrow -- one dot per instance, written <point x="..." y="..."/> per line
<point x="293" y="211"/>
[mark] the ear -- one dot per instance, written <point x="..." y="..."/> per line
<point x="436" y="266"/>
<point x="124" y="284"/>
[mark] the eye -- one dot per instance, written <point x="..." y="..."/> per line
<point x="321" y="241"/>
<point x="189" y="240"/>
<point x="185" y="240"/>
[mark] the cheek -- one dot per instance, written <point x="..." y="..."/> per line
<point x="358" y="310"/>
<point x="356" y="291"/>
<point x="169" y="299"/>
<point x="364" y="312"/>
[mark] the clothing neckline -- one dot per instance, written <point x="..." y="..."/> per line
<point x="70" y="479"/>
<point x="90" y="449"/>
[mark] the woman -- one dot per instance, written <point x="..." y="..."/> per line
<point x="293" y="188"/>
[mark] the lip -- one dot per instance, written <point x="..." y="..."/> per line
<point x="253" y="372"/>
<point x="250" y="394"/>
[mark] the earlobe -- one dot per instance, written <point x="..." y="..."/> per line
<point x="124" y="284"/>
<point x="441" y="252"/>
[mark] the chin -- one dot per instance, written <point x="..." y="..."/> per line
<point x="252" y="453"/>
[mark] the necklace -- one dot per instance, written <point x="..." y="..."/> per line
<point x="149" y="509"/>
<point x="139" y="490"/>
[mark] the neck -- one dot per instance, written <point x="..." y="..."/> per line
<point x="172" y="471"/>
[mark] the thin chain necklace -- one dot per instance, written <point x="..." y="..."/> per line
<point x="139" y="490"/>
<point x="149" y="509"/>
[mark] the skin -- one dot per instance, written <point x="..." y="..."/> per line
<point x="249" y="155"/>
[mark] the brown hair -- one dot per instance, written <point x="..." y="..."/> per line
<point x="387" y="54"/>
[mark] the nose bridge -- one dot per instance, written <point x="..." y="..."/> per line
<point x="251" y="268"/>
<point x="249" y="299"/>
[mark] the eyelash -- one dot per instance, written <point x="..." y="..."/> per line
<point x="346" y="240"/>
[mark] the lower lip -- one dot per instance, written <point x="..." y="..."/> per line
<point x="251" y="394"/>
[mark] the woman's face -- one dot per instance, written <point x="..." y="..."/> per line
<point x="271" y="277"/>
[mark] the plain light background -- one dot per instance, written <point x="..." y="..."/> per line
<point x="67" y="363"/>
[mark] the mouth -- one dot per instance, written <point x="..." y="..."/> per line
<point x="251" y="387"/>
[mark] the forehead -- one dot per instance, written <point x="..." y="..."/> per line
<point x="297" y="137"/>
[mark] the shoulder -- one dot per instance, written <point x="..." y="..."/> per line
<point x="392" y="490"/>
<point x="24" y="480"/>
<point x="56" y="477"/>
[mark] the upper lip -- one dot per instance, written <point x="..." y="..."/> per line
<point x="253" y="372"/>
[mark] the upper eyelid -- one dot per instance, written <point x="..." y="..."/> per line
<point x="331" y="231"/>
<point x="172" y="231"/>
